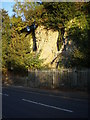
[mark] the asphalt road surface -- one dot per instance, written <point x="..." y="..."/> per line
<point x="22" y="103"/>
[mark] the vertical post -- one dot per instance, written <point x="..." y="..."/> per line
<point x="1" y="63"/>
<point x="53" y="80"/>
<point x="36" y="81"/>
<point x="26" y="82"/>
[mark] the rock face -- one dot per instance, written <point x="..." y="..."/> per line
<point x="46" y="41"/>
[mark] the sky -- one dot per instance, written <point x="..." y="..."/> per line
<point x="8" y="6"/>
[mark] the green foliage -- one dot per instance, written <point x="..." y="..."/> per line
<point x="17" y="24"/>
<point x="20" y="54"/>
<point x="29" y="11"/>
<point x="16" y="48"/>
<point x="6" y="36"/>
<point x="33" y="61"/>
<point x="74" y="18"/>
<point x="78" y="32"/>
<point x="57" y="14"/>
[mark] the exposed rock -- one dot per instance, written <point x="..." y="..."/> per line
<point x="46" y="41"/>
<point x="47" y="44"/>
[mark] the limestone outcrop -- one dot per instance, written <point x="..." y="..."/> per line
<point x="46" y="41"/>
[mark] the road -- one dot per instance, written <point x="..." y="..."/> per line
<point x="23" y="103"/>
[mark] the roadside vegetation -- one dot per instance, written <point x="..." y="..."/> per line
<point x="74" y="18"/>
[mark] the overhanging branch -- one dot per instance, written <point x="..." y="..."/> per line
<point x="63" y="47"/>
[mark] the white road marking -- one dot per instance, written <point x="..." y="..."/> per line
<point x="4" y="94"/>
<point x="66" y="110"/>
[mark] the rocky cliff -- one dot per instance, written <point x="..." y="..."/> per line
<point x="46" y="41"/>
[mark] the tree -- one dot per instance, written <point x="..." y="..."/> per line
<point x="29" y="11"/>
<point x="58" y="17"/>
<point x="32" y="14"/>
<point x="58" y="14"/>
<point x="6" y="36"/>
<point x="20" y="52"/>
<point x="79" y="33"/>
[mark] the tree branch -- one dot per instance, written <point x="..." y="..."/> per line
<point x="63" y="47"/>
